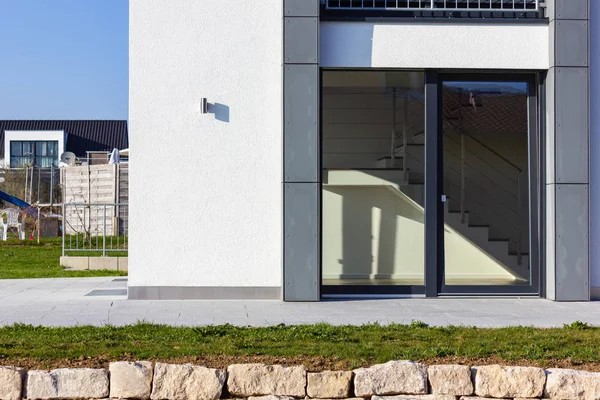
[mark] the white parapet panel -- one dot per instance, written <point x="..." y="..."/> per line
<point x="435" y="45"/>
<point x="206" y="203"/>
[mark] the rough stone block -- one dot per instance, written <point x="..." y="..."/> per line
<point x="393" y="377"/>
<point x="39" y="385"/>
<point x="67" y="383"/>
<point x="349" y="398"/>
<point x="571" y="384"/>
<point x="187" y="382"/>
<point x="450" y="379"/>
<point x="271" y="397"/>
<point x="509" y="382"/>
<point x="11" y="383"/>
<point x="418" y="397"/>
<point x="258" y="380"/>
<point x="473" y="398"/>
<point x="329" y="384"/>
<point x="130" y="380"/>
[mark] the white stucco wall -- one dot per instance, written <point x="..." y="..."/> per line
<point x="9" y="136"/>
<point x="595" y="146"/>
<point x="206" y="191"/>
<point x="440" y="45"/>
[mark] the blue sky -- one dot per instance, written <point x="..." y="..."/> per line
<point x="64" y="59"/>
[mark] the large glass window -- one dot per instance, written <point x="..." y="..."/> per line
<point x="373" y="178"/>
<point x="37" y="153"/>
<point x="478" y="232"/>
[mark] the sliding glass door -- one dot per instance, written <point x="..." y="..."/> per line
<point x="429" y="183"/>
<point x="488" y="137"/>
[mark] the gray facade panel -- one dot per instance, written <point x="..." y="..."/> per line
<point x="571" y="9"/>
<point x="301" y="122"/>
<point x="552" y="33"/>
<point x="301" y="37"/>
<point x="572" y="245"/>
<point x="550" y="242"/>
<point x="301" y="257"/>
<point x="550" y="125"/>
<point x="571" y="43"/>
<point x="572" y="127"/>
<point x="567" y="152"/>
<point x="301" y="8"/>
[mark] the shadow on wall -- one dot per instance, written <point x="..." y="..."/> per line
<point x="221" y="111"/>
<point x="376" y="231"/>
<point x="373" y="226"/>
<point x="361" y="37"/>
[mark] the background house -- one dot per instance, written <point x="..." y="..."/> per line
<point x="41" y="142"/>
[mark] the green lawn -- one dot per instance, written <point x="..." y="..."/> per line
<point x="28" y="259"/>
<point x="319" y="346"/>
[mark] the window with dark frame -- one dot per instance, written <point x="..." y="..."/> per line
<point x="37" y="153"/>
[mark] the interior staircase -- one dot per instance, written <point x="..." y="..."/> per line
<point x="475" y="221"/>
<point x="486" y="193"/>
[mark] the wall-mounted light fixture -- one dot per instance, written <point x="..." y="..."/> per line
<point x="203" y="105"/>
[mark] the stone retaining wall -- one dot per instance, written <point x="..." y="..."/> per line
<point x="394" y="380"/>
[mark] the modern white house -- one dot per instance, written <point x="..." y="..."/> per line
<point x="304" y="149"/>
<point x="41" y="142"/>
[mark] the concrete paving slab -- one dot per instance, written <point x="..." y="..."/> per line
<point x="66" y="302"/>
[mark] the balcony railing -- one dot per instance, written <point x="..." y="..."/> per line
<point x="436" y="5"/>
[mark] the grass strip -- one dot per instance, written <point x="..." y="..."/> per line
<point x="28" y="259"/>
<point x="337" y="346"/>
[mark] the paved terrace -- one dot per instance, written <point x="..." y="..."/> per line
<point x="101" y="301"/>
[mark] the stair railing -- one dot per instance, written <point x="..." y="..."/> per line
<point x="393" y="149"/>
<point x="516" y="168"/>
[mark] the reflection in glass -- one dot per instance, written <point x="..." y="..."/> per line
<point x="37" y="153"/>
<point x="485" y="147"/>
<point x="373" y="178"/>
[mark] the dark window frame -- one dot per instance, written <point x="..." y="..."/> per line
<point x="434" y="240"/>
<point x="535" y="197"/>
<point x="34" y="156"/>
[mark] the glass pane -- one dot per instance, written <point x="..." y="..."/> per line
<point x="373" y="178"/>
<point x="18" y="162"/>
<point x="53" y="148"/>
<point x="40" y="148"/>
<point x="16" y="149"/>
<point x="44" y="162"/>
<point x="28" y="148"/>
<point x="485" y="144"/>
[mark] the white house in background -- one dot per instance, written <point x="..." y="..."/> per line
<point x="39" y="148"/>
<point x="364" y="148"/>
<point x="41" y="142"/>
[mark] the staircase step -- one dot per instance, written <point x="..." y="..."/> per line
<point x="390" y="157"/>
<point x="386" y="162"/>
<point x="454" y="211"/>
<point x="514" y="253"/>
